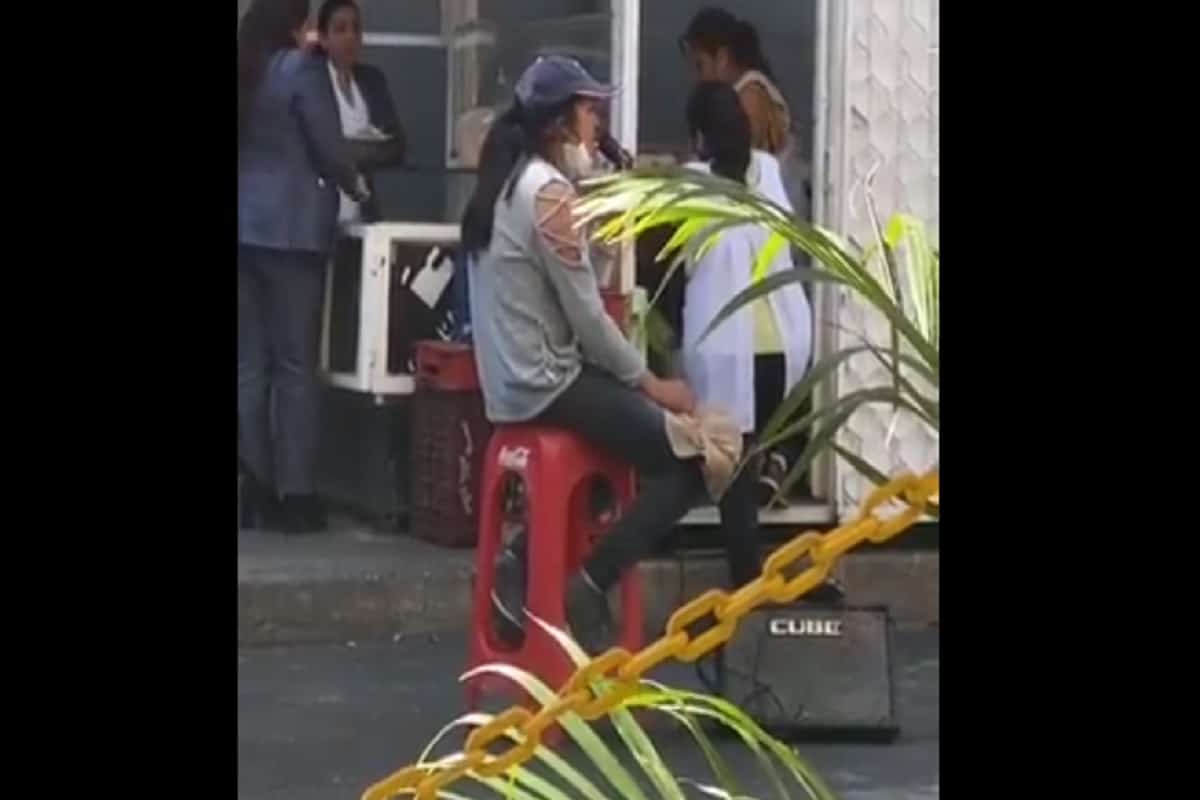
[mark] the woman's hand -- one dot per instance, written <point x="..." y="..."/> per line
<point x="672" y="395"/>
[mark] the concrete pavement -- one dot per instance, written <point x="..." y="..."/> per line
<point x="358" y="584"/>
<point x="321" y="722"/>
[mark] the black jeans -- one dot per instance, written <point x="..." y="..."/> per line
<point x="739" y="505"/>
<point x="770" y="389"/>
<point x="739" y="522"/>
<point x="621" y="420"/>
<point x="279" y="330"/>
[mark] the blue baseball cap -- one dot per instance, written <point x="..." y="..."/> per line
<point x="551" y="80"/>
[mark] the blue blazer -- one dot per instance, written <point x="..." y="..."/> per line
<point x="292" y="158"/>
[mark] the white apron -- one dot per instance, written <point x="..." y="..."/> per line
<point x="721" y="369"/>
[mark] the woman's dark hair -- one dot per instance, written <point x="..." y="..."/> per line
<point x="516" y="135"/>
<point x="268" y="27"/>
<point x="714" y="28"/>
<point x="331" y="7"/>
<point x="715" y="112"/>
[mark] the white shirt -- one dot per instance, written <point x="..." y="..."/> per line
<point x="720" y="369"/>
<point x="355" y="120"/>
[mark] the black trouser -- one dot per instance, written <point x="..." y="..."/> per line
<point x="739" y="504"/>
<point x="279" y="329"/>
<point x="623" y="421"/>
<point x="770" y="388"/>
<point x="739" y="522"/>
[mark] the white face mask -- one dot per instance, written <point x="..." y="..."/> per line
<point x="577" y="161"/>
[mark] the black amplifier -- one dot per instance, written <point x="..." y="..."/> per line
<point x="813" y="671"/>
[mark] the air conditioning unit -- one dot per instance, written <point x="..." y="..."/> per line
<point x="386" y="289"/>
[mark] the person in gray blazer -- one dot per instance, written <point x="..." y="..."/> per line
<point x="292" y="161"/>
<point x="365" y="108"/>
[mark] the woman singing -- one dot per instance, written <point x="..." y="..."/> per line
<point x="546" y="349"/>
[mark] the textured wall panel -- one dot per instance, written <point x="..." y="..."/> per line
<point x="891" y="81"/>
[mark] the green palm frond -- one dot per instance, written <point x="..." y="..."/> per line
<point x="897" y="276"/>
<point x="704" y="205"/>
<point x="549" y="775"/>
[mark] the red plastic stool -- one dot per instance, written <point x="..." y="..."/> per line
<point x="558" y="469"/>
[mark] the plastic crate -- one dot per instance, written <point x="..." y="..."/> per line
<point x="447" y="366"/>
<point x="449" y="437"/>
<point x="619" y="307"/>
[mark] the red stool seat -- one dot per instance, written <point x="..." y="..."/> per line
<point x="559" y="470"/>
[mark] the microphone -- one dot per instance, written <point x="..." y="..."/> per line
<point x="611" y="149"/>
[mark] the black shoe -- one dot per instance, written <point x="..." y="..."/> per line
<point x="774" y="473"/>
<point x="508" y="599"/>
<point x="588" y="615"/>
<point x="302" y="513"/>
<point x="260" y="507"/>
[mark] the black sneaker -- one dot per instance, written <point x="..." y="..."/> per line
<point x="508" y="599"/>
<point x="774" y="473"/>
<point x="588" y="615"/>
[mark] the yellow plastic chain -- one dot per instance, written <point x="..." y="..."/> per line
<point x="625" y="669"/>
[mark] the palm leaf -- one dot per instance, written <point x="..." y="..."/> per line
<point x="730" y="201"/>
<point x="822" y="371"/>
<point x="873" y="475"/>
<point x="741" y="723"/>
<point x="907" y="234"/>
<point x="645" y="753"/>
<point x="892" y="361"/>
<point x="823" y="436"/>
<point x="759" y="290"/>
<point x="819" y="372"/>
<point x="557" y="763"/>
<point x="574" y="725"/>
<point x="774" y="244"/>
<point x="716" y="762"/>
<point x="682" y="702"/>
<point x="841" y="409"/>
<point x="660" y="336"/>
<point x="640" y="746"/>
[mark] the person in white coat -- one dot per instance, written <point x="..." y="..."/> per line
<point x="748" y="363"/>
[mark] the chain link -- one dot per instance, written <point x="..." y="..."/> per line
<point x="622" y="671"/>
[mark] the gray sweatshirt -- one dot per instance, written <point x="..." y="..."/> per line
<point x="536" y="313"/>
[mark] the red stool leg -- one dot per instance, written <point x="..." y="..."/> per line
<point x="632" y="616"/>
<point x="482" y="649"/>
<point x="624" y="481"/>
<point x="549" y="497"/>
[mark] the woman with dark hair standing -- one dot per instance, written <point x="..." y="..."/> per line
<point x="292" y="160"/>
<point x="723" y="48"/>
<point x="364" y="103"/>
<point x="726" y="49"/>
<point x="731" y="368"/>
<point x="545" y="348"/>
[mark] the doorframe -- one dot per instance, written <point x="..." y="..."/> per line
<point x="828" y="108"/>
<point x="626" y="42"/>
